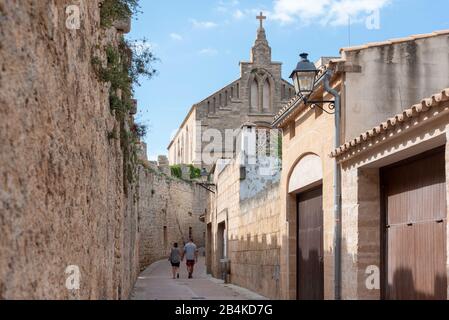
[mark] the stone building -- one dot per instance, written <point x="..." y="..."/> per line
<point x="376" y="81"/>
<point x="281" y="241"/>
<point x="256" y="97"/>
<point x="395" y="202"/>
<point x="243" y="224"/>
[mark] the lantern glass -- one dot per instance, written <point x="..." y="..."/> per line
<point x="204" y="175"/>
<point x="304" y="82"/>
<point x="304" y="76"/>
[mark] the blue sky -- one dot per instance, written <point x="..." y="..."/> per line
<point x="200" y="43"/>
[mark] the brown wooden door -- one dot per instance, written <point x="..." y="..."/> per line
<point x="415" y="228"/>
<point x="310" y="273"/>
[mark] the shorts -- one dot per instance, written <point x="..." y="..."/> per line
<point x="175" y="264"/>
<point x="190" y="263"/>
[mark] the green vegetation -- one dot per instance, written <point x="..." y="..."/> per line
<point x="279" y="146"/>
<point x="113" y="10"/>
<point x="139" y="130"/>
<point x="142" y="60"/>
<point x="195" y="173"/>
<point x="121" y="65"/>
<point x="125" y="64"/>
<point x="176" y="171"/>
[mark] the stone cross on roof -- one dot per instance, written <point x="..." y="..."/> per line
<point x="261" y="18"/>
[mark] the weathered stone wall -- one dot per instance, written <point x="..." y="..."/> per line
<point x="249" y="207"/>
<point x="168" y="207"/>
<point x="254" y="244"/>
<point x="306" y="139"/>
<point x="361" y="198"/>
<point x="361" y="216"/>
<point x="61" y="179"/>
<point x="392" y="78"/>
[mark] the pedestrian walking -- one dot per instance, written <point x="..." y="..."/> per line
<point x="191" y="255"/>
<point x="175" y="260"/>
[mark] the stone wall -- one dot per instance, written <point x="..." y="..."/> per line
<point x="361" y="198"/>
<point x="392" y="78"/>
<point x="361" y="216"/>
<point x="62" y="199"/>
<point x="247" y="203"/>
<point x="168" y="207"/>
<point x="254" y="244"/>
<point x="304" y="137"/>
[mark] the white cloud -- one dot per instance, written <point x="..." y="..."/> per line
<point x="325" y="12"/>
<point x="203" y="24"/>
<point x="176" y="36"/>
<point x="238" y="14"/>
<point x="253" y="13"/>
<point x="225" y="6"/>
<point x="208" y="52"/>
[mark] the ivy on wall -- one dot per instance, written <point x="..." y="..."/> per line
<point x="194" y="173"/>
<point x="176" y="171"/>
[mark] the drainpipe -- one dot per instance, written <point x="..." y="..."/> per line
<point x="337" y="188"/>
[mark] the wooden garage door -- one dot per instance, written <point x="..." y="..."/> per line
<point x="310" y="245"/>
<point x="415" y="230"/>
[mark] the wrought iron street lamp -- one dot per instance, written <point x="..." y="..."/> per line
<point x="304" y="76"/>
<point x="204" y="175"/>
<point x="204" y="181"/>
<point x="305" y="80"/>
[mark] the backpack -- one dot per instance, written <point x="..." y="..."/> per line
<point x="175" y="256"/>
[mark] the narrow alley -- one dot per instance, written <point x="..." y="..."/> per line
<point x="155" y="283"/>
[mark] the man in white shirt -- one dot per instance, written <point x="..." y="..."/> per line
<point x="191" y="255"/>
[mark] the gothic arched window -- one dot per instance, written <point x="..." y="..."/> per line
<point x="266" y="96"/>
<point x="254" y="103"/>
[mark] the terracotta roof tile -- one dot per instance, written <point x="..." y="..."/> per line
<point x="390" y="123"/>
<point x="296" y="98"/>
<point x="286" y="107"/>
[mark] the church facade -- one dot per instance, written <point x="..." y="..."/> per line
<point x="255" y="97"/>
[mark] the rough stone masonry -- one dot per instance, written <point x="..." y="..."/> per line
<point x="61" y="184"/>
<point x="62" y="197"/>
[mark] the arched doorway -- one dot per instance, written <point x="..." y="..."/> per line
<point x="305" y="184"/>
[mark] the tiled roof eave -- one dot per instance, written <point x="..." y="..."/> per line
<point x="295" y="102"/>
<point x="286" y="111"/>
<point x="416" y="110"/>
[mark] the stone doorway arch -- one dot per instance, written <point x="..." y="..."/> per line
<point x="305" y="189"/>
<point x="307" y="174"/>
